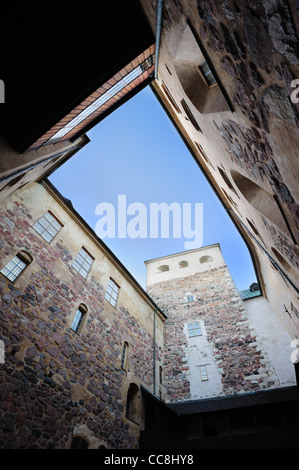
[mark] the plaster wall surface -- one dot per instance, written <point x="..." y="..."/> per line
<point x="273" y="337"/>
<point x="184" y="264"/>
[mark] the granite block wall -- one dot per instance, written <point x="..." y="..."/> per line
<point x="54" y="381"/>
<point x="229" y="346"/>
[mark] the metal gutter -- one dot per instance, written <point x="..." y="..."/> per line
<point x="158" y="33"/>
<point x="155" y="351"/>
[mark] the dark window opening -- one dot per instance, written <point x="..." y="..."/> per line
<point x="79" y="443"/>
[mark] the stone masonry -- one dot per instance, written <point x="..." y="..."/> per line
<point x="237" y="361"/>
<point x="54" y="381"/>
<point x="56" y="384"/>
<point x="250" y="152"/>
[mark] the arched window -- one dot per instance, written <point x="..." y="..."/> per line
<point x="79" y="443"/>
<point x="124" y="356"/>
<point x="14" y="268"/>
<point x="183" y="264"/>
<point x="132" y="408"/>
<point x="78" y="318"/>
<point x="205" y="259"/>
<point x="163" y="268"/>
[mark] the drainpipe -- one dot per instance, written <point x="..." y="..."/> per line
<point x="158" y="33"/>
<point x="155" y="352"/>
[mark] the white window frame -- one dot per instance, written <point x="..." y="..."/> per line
<point x="194" y="330"/>
<point x="83" y="262"/>
<point x="14" y="268"/>
<point x="112" y="292"/>
<point x="204" y="373"/>
<point x="124" y="356"/>
<point x="47" y="226"/>
<point x="78" y="319"/>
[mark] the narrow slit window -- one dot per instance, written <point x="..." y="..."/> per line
<point x="194" y="329"/>
<point x="83" y="262"/>
<point x="47" y="227"/>
<point x="161" y="375"/>
<point x="124" y="356"/>
<point x="190" y="116"/>
<point x="207" y="73"/>
<point x="14" y="267"/>
<point x="112" y="292"/>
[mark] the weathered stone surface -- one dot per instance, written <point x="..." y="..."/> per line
<point x="282" y="30"/>
<point x="234" y="343"/>
<point x="257" y="41"/>
<point x="278" y="104"/>
<point x="54" y="379"/>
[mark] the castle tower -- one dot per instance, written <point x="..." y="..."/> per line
<point x="216" y="344"/>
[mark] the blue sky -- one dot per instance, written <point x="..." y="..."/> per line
<point x="137" y="152"/>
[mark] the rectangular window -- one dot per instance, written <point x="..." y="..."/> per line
<point x="83" y="262"/>
<point x="47" y="227"/>
<point x="14" y="267"/>
<point x="203" y="373"/>
<point x="207" y="73"/>
<point x="194" y="329"/>
<point x="79" y="318"/>
<point x="112" y="292"/>
<point x="123" y="364"/>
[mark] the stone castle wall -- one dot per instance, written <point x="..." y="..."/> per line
<point x="235" y="355"/>
<point x="249" y="151"/>
<point x="55" y="381"/>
